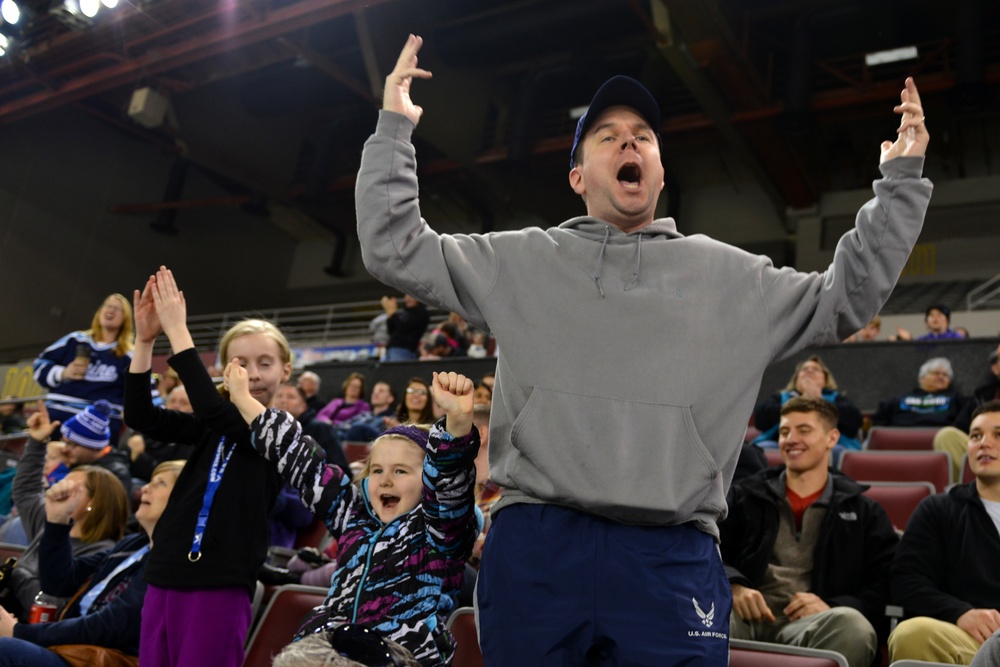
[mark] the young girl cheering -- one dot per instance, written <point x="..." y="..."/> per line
<point x="213" y="533"/>
<point x="405" y="529"/>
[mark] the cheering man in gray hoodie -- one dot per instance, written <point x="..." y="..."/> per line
<point x="615" y="445"/>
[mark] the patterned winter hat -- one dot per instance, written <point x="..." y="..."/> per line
<point x="417" y="435"/>
<point x="90" y="428"/>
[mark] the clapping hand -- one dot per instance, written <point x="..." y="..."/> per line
<point x="147" y="322"/>
<point x="397" y="84"/>
<point x="169" y="300"/>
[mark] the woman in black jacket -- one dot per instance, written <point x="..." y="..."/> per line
<point x="108" y="586"/>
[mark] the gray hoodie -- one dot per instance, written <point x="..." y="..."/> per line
<point x="629" y="362"/>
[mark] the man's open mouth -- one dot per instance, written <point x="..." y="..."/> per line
<point x="630" y="176"/>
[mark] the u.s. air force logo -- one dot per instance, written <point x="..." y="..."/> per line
<point x="709" y="618"/>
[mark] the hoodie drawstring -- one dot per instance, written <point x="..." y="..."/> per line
<point x="638" y="256"/>
<point x="599" y="268"/>
<point x="600" y="261"/>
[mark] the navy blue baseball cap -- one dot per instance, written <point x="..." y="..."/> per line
<point x="618" y="91"/>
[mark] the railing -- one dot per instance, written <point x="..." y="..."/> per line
<point x="983" y="294"/>
<point x="341" y="323"/>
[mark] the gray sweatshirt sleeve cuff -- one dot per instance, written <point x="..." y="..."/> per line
<point x="395" y="126"/>
<point x="902" y="167"/>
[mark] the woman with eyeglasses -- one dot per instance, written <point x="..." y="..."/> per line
<point x="84" y="367"/>
<point x="813" y="379"/>
<point x="416" y="407"/>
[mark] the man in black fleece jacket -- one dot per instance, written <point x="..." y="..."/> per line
<point x="807" y="555"/>
<point x="944" y="575"/>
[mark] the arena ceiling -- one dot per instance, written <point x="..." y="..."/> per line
<point x="274" y="98"/>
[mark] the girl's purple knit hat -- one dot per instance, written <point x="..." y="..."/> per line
<point x="410" y="432"/>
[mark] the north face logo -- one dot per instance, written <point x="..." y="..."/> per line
<point x="708" y="618"/>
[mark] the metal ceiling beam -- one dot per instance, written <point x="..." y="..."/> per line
<point x="197" y="48"/>
<point x="683" y="64"/>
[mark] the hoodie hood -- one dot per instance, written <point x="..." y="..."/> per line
<point x="607" y="234"/>
<point x="596" y="229"/>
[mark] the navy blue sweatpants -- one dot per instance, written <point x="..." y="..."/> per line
<point x="560" y="587"/>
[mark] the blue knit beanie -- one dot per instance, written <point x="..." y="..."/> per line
<point x="90" y="428"/>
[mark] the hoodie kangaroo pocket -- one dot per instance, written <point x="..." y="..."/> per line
<point x="632" y="461"/>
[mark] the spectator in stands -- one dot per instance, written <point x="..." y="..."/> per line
<point x="404" y="581"/>
<point x="807" y="555"/>
<point x="288" y="517"/>
<point x="955" y="439"/>
<point x="932" y="403"/>
<point x="454" y="330"/>
<point x="477" y="345"/>
<point x="98" y="522"/>
<point x="416" y="407"/>
<point x="291" y="399"/>
<point x="487" y="491"/>
<point x="86" y="366"/>
<point x="488" y="380"/>
<point x="406" y="327"/>
<point x="366" y="427"/>
<point x="437" y="346"/>
<point x="11" y="416"/>
<point x="55" y="467"/>
<point x="869" y="333"/>
<point x="635" y="419"/>
<point x="944" y="575"/>
<point x="962" y="332"/>
<point x="483" y="395"/>
<point x="167" y="381"/>
<point x="811" y="379"/>
<point x="309" y="382"/>
<point x="86" y="438"/>
<point x="109" y="589"/>
<point x="343" y="648"/>
<point x="148" y="453"/>
<point x="350" y="404"/>
<point x="938" y="320"/>
<point x="202" y="575"/>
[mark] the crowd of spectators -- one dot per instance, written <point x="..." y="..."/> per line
<point x="795" y="571"/>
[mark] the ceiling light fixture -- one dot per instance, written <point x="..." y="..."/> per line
<point x="891" y="56"/>
<point x="89" y="8"/>
<point x="10" y="11"/>
<point x="4" y="44"/>
<point x="110" y="4"/>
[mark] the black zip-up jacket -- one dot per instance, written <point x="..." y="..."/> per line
<point x="947" y="561"/>
<point x="853" y="553"/>
<point x="236" y="537"/>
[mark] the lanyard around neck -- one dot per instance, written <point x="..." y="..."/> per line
<point x="90" y="596"/>
<point x="214" y="479"/>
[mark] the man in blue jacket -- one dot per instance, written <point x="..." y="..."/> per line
<point x="807" y="555"/>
